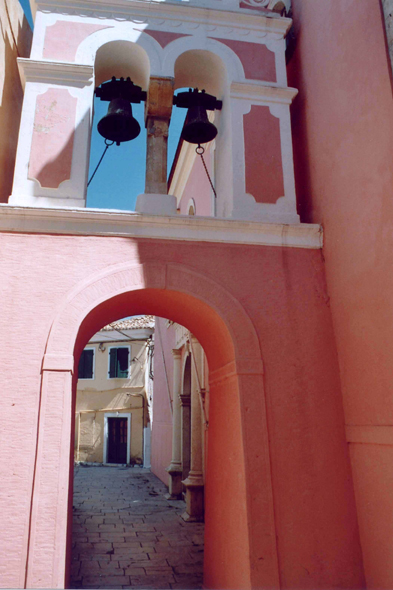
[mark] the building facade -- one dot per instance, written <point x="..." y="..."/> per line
<point x="114" y="395"/>
<point x="283" y="278"/>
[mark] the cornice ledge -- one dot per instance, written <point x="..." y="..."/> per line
<point x="51" y="72"/>
<point x="169" y="10"/>
<point x="114" y="223"/>
<point x="277" y="94"/>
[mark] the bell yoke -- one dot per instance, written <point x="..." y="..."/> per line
<point x="119" y="125"/>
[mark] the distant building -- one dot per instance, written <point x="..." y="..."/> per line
<point x="114" y="394"/>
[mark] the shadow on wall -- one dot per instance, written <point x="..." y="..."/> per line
<point x="11" y="92"/>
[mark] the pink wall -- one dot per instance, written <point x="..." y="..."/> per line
<point x="343" y="145"/>
<point x="161" y="434"/>
<point x="277" y="460"/>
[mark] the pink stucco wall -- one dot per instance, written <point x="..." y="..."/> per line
<point x="161" y="434"/>
<point x="343" y="147"/>
<point x="53" y="137"/>
<point x="278" y="467"/>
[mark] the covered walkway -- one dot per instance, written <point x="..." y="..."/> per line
<point x="127" y="535"/>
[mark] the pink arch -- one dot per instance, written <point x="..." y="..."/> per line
<point x="187" y="297"/>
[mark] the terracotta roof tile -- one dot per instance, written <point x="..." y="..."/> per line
<point x="135" y="323"/>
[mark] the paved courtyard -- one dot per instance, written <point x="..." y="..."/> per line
<point x="127" y="535"/>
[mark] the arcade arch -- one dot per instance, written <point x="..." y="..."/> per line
<point x="232" y="349"/>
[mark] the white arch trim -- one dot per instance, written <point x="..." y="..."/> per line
<point x="126" y="277"/>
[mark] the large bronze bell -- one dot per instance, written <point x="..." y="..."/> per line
<point x="197" y="128"/>
<point x="118" y="124"/>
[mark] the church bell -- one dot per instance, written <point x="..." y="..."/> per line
<point x="197" y="127"/>
<point x="119" y="125"/>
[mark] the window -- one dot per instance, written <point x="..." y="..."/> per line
<point x="86" y="364"/>
<point x="119" y="362"/>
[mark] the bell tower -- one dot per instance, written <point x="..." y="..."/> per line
<point x="233" y="49"/>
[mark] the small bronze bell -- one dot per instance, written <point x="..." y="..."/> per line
<point x="197" y="128"/>
<point x="118" y="124"/>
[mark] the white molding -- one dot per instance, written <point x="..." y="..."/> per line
<point x="49" y="72"/>
<point x="261" y="92"/>
<point x="114" y="223"/>
<point x="173" y="12"/>
<point x="117" y="415"/>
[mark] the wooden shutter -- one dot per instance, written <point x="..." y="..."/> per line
<point x="112" y="363"/>
<point x="122" y="362"/>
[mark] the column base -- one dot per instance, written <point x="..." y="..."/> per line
<point x="156" y="204"/>
<point x="195" y="508"/>
<point x="175" y="482"/>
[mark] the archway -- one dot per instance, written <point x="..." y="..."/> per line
<point x="232" y="349"/>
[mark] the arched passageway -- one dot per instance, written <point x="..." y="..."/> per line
<point x="223" y="329"/>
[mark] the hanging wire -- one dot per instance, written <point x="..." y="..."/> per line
<point x="200" y="151"/>
<point x="108" y="145"/>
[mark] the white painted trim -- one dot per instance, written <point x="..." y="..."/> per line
<point x="107" y="222"/>
<point x="187" y="12"/>
<point x="117" y="415"/>
<point x="129" y="360"/>
<point x="49" y="72"/>
<point x="94" y="364"/>
<point x="260" y="92"/>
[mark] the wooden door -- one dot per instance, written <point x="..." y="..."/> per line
<point x="117" y="440"/>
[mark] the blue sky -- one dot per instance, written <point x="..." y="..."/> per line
<point x="121" y="175"/>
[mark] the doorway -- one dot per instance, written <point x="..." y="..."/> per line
<point x="117" y="436"/>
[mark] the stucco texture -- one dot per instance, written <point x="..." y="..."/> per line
<point x="277" y="466"/>
<point x="343" y="146"/>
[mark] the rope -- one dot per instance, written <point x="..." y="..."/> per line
<point x="102" y="157"/>
<point x="200" y="151"/>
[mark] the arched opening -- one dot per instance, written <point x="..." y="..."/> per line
<point x="126" y="528"/>
<point x="219" y="351"/>
<point x="121" y="175"/>
<point x="218" y="321"/>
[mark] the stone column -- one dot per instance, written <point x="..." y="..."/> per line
<point x="194" y="482"/>
<point x="158" y="112"/>
<point x="175" y="468"/>
<point x="185" y="400"/>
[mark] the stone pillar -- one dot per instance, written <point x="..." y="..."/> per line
<point x="158" y="112"/>
<point x="194" y="482"/>
<point x="185" y="400"/>
<point x="175" y="468"/>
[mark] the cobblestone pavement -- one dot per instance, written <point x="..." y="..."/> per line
<point x="127" y="535"/>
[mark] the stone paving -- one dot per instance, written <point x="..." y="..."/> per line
<point x="127" y="535"/>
